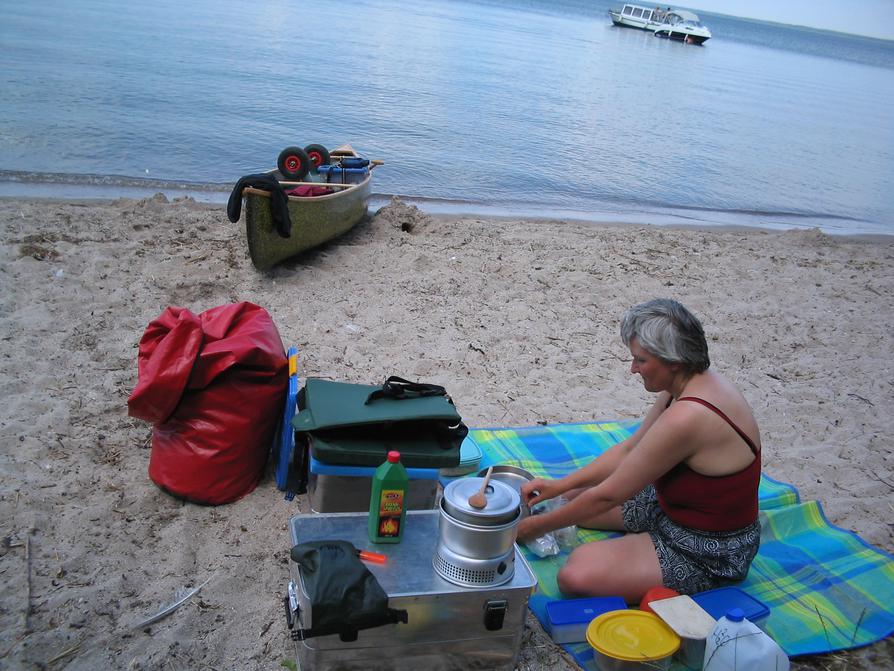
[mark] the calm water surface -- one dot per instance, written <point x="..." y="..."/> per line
<point x="537" y="107"/>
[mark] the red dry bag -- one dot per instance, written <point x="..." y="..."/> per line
<point x="213" y="386"/>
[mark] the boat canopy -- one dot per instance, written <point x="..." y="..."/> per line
<point x="684" y="15"/>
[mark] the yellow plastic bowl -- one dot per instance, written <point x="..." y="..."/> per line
<point x="631" y="640"/>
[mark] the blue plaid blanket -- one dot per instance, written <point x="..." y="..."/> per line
<point x="826" y="588"/>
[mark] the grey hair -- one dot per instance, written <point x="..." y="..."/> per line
<point x="666" y="329"/>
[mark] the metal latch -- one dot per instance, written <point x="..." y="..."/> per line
<point x="494" y="612"/>
<point x="292" y="610"/>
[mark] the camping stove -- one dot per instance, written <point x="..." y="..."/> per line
<point x="470" y="572"/>
<point x="476" y="546"/>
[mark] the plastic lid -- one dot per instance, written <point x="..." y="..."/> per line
<point x="394" y="456"/>
<point x="502" y="500"/>
<point x="735" y="615"/>
<point x="718" y="601"/>
<point x="632" y="636"/>
<point x="469" y="453"/>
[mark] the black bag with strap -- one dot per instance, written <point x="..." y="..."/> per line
<point x="344" y="596"/>
<point x="357" y="424"/>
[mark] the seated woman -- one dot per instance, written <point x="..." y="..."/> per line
<point x="683" y="487"/>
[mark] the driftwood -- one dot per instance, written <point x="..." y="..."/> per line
<point x="167" y="610"/>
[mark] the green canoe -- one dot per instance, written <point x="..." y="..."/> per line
<point x="315" y="219"/>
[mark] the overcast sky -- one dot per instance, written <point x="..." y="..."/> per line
<point x="874" y="18"/>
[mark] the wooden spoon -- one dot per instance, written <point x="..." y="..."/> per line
<point x="478" y="499"/>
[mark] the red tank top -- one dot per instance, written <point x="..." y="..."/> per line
<point x="711" y="503"/>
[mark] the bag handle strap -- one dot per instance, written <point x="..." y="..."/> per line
<point x="397" y="388"/>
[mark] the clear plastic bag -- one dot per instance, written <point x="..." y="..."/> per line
<point x="545" y="546"/>
<point x="555" y="541"/>
<point x="566" y="537"/>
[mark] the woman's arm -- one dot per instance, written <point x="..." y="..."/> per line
<point x="656" y="452"/>
<point x="597" y="470"/>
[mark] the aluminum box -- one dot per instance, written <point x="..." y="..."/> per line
<point x="449" y="627"/>
<point x="335" y="488"/>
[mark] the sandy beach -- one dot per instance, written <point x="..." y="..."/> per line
<point x="517" y="319"/>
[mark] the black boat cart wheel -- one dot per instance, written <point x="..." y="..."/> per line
<point x="318" y="154"/>
<point x="293" y="163"/>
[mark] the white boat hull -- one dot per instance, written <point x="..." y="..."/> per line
<point x="681" y="35"/>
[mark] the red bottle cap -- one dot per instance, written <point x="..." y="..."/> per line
<point x="394" y="456"/>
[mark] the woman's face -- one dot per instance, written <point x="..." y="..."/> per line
<point x="656" y="374"/>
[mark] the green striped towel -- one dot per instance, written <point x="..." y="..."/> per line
<point x="826" y="588"/>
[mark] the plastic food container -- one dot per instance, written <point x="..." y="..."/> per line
<point x="568" y="619"/>
<point x="691" y="623"/>
<point x="470" y="456"/>
<point x="719" y="601"/>
<point x="631" y="640"/>
<point x="692" y="652"/>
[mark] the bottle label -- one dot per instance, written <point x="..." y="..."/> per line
<point x="391" y="502"/>
<point x="391" y="505"/>
<point x="389" y="527"/>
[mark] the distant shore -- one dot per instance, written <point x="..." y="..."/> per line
<point x="518" y="318"/>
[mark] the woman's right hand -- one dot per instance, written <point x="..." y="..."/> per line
<point x="539" y="489"/>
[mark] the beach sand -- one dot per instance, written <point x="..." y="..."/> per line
<point x="518" y="319"/>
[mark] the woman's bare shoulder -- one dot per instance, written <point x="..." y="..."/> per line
<point x="725" y="397"/>
<point x="716" y="389"/>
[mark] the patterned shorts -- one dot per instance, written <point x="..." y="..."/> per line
<point x="692" y="561"/>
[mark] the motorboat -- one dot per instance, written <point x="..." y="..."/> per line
<point x="684" y="26"/>
<point x="637" y="16"/>
<point x="675" y="24"/>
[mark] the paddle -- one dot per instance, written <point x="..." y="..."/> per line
<point x="335" y="184"/>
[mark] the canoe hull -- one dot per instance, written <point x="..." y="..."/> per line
<point x="315" y="220"/>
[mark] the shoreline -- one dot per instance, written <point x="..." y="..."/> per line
<point x="455" y="209"/>
<point x="517" y="318"/>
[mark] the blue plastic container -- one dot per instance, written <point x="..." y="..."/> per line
<point x="342" y="174"/>
<point x="568" y="619"/>
<point x="717" y="602"/>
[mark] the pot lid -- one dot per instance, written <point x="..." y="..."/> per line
<point x="633" y="636"/>
<point x="502" y="499"/>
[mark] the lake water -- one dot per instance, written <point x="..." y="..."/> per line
<point x="531" y="107"/>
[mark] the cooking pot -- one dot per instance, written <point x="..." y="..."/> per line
<point x="515" y="477"/>
<point x="476" y="547"/>
<point x="502" y="502"/>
